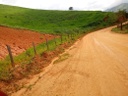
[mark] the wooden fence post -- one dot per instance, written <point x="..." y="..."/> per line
<point x="55" y="41"/>
<point x="71" y="37"/>
<point x="10" y="55"/>
<point x="34" y="48"/>
<point x="47" y="44"/>
<point x="68" y="36"/>
<point x="61" y="39"/>
<point x="65" y="38"/>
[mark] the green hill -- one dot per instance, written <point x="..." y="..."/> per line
<point x="54" y="21"/>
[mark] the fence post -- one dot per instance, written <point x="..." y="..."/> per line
<point x="61" y="39"/>
<point x="55" y="41"/>
<point x="34" y="48"/>
<point x="71" y="37"/>
<point x="47" y="44"/>
<point x="68" y="38"/>
<point x="10" y="55"/>
<point x="65" y="38"/>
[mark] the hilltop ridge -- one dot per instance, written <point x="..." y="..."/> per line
<point x="119" y="7"/>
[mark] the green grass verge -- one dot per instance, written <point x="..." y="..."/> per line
<point x="26" y="57"/>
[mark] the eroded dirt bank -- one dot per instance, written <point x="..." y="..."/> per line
<point x="19" y="40"/>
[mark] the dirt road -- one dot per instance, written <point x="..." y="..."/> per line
<point x="97" y="66"/>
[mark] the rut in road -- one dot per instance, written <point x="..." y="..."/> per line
<point x="97" y="66"/>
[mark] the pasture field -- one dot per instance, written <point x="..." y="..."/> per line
<point x="54" y="22"/>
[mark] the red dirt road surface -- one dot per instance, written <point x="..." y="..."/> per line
<point x="19" y="40"/>
<point x="97" y="66"/>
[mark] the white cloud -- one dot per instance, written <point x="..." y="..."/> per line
<point x="8" y="1"/>
<point x="64" y="4"/>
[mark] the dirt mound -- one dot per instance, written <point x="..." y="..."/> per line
<point x="19" y="40"/>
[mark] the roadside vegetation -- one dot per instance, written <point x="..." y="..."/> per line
<point x="28" y="64"/>
<point x="122" y="16"/>
<point x="29" y="55"/>
<point x="123" y="31"/>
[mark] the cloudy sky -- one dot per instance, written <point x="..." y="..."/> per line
<point x="65" y="4"/>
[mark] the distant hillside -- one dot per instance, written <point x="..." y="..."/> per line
<point x="119" y="7"/>
<point x="54" y="21"/>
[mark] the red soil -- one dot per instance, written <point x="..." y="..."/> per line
<point x="19" y="40"/>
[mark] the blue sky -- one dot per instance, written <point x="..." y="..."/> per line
<point x="65" y="4"/>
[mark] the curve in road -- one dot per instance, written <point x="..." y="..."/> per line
<point x="97" y="66"/>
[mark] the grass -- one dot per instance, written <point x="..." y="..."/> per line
<point x="54" y="22"/>
<point x="118" y="30"/>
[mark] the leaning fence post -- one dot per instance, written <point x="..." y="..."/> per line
<point x="34" y="48"/>
<point x="47" y="44"/>
<point x="10" y="54"/>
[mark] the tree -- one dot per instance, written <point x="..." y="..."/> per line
<point x="121" y="17"/>
<point x="70" y="8"/>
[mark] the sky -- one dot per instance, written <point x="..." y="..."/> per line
<point x="65" y="4"/>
